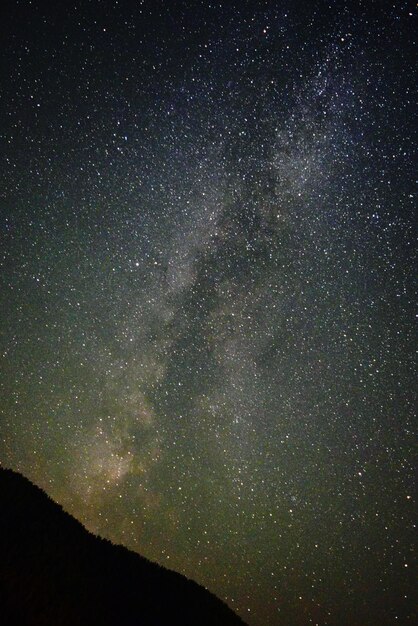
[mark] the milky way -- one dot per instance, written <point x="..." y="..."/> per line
<point x="207" y="291"/>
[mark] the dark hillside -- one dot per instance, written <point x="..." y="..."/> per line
<point x="53" y="572"/>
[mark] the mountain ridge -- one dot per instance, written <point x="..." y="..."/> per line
<point x="54" y="571"/>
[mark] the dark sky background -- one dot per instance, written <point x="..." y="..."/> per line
<point x="207" y="290"/>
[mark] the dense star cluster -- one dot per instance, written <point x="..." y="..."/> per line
<point x="207" y="290"/>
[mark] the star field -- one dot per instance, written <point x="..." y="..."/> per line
<point x="207" y="291"/>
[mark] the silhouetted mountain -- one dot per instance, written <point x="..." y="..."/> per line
<point x="53" y="572"/>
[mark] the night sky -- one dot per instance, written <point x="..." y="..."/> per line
<point x="207" y="290"/>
